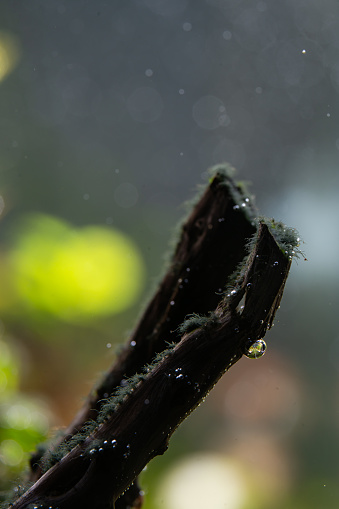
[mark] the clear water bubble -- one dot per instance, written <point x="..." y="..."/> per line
<point x="256" y="350"/>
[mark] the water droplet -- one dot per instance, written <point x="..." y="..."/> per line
<point x="256" y="350"/>
<point x="133" y="343"/>
<point x="146" y="401"/>
<point x="275" y="264"/>
<point x="109" y="345"/>
<point x="303" y="51"/>
<point x="105" y="442"/>
<point x="233" y="292"/>
<point x="188" y="269"/>
<point x="92" y="451"/>
<point x="236" y="207"/>
<point x="249" y="285"/>
<point x="178" y="377"/>
<point x="172" y="302"/>
<point x="113" y="442"/>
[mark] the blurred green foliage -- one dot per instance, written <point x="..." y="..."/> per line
<point x="23" y="419"/>
<point x="71" y="274"/>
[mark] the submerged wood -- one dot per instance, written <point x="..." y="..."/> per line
<point x="213" y="241"/>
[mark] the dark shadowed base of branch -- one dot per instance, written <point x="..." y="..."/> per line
<point x="218" y="297"/>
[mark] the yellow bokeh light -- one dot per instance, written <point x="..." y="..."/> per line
<point x="204" y="480"/>
<point x="9" y="53"/>
<point x="11" y="453"/>
<point x="74" y="273"/>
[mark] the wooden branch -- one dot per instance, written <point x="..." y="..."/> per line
<point x="212" y="242"/>
<point x="104" y="460"/>
<point x="95" y="473"/>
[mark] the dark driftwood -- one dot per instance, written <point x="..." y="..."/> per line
<point x="95" y="473"/>
<point x="212" y="243"/>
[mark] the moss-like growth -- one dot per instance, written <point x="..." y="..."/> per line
<point x="287" y="238"/>
<point x="195" y="321"/>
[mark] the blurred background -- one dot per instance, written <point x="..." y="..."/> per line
<point x="110" y="115"/>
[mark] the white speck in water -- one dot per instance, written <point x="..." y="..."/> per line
<point x="149" y="73"/>
<point x="227" y="35"/>
<point x="117" y="170"/>
<point x="146" y="401"/>
<point x="181" y="154"/>
<point x="303" y="51"/>
<point x="133" y="343"/>
<point x="328" y="114"/>
<point x="86" y="196"/>
<point x="181" y="91"/>
<point x="187" y="26"/>
<point x="172" y="302"/>
<point x="109" y="345"/>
